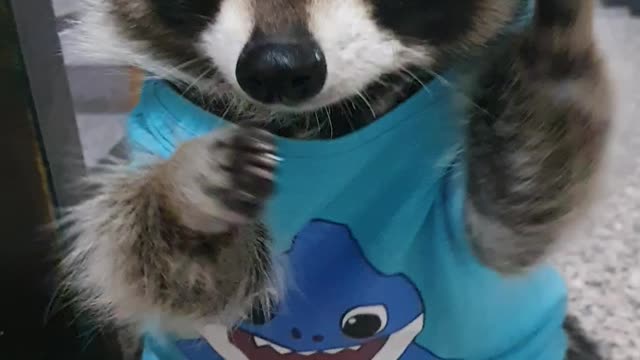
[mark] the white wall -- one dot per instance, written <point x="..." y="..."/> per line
<point x="64" y="7"/>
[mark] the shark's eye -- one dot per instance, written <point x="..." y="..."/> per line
<point x="364" y="322"/>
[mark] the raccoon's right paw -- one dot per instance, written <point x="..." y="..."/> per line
<point x="249" y="169"/>
<point x="228" y="175"/>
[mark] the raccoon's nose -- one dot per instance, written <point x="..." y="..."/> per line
<point x="282" y="73"/>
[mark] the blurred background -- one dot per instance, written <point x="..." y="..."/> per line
<point x="75" y="110"/>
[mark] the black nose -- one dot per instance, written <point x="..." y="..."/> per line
<point x="285" y="73"/>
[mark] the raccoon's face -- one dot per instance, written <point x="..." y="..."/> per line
<point x="293" y="55"/>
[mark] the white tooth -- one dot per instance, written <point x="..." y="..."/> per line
<point x="333" y="351"/>
<point x="307" y="353"/>
<point x="280" y="349"/>
<point x="357" y="347"/>
<point x="260" y="342"/>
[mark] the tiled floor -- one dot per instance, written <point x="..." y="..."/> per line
<point x="602" y="263"/>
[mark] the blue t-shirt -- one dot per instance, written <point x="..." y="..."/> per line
<point x="369" y="228"/>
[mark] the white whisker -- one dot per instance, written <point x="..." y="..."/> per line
<point x="368" y="104"/>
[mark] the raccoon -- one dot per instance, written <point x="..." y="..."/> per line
<point x="181" y="240"/>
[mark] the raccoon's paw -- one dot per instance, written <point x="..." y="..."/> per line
<point x="249" y="169"/>
<point x="227" y="176"/>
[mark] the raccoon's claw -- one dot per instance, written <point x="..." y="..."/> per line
<point x="250" y="171"/>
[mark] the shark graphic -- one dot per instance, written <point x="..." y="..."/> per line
<point x="337" y="307"/>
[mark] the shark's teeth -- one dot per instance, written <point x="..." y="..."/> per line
<point x="337" y="350"/>
<point x="280" y="349"/>
<point x="333" y="351"/>
<point x="260" y="342"/>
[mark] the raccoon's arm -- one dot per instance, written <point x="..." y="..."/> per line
<point x="174" y="242"/>
<point x="534" y="149"/>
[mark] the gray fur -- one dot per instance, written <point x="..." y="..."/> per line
<point x="143" y="248"/>
<point x="534" y="150"/>
<point x="179" y="243"/>
<point x="580" y="346"/>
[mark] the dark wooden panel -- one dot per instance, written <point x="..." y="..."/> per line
<point x="39" y="46"/>
<point x="37" y="130"/>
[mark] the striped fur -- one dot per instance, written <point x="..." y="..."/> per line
<point x="180" y="242"/>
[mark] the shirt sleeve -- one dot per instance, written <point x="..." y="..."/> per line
<point x="149" y="138"/>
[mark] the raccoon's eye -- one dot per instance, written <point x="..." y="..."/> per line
<point x="364" y="322"/>
<point x="437" y="22"/>
<point x="186" y="16"/>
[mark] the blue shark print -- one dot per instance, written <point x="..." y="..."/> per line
<point x="337" y="307"/>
